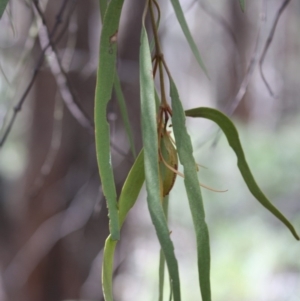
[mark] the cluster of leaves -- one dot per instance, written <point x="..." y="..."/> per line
<point x="156" y="165"/>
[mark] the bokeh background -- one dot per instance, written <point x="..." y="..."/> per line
<point x="53" y="218"/>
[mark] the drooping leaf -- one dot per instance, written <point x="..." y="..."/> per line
<point x="128" y="197"/>
<point x="185" y="153"/>
<point x="161" y="275"/>
<point x="107" y="268"/>
<point x="233" y="139"/>
<point x="150" y="141"/>
<point x="184" y="26"/>
<point x="242" y="5"/>
<point x="3" y="4"/>
<point x="105" y="81"/>
<point x="162" y="260"/>
<point x="131" y="187"/>
<point x="119" y="93"/>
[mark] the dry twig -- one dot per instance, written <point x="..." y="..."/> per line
<point x="40" y="61"/>
<point x="268" y="43"/>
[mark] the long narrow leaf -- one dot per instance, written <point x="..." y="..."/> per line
<point x="128" y="197"/>
<point x="185" y="153"/>
<point x="150" y="140"/>
<point x="119" y="93"/>
<point x="162" y="260"/>
<point x="107" y="268"/>
<point x="3" y="4"/>
<point x="131" y="187"/>
<point x="161" y="275"/>
<point x="233" y="139"/>
<point x="184" y="26"/>
<point x="105" y="81"/>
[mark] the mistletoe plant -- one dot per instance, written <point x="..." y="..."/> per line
<point x="157" y="163"/>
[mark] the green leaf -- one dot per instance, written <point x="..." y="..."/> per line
<point x="150" y="140"/>
<point x="3" y="4"/>
<point x="103" y="7"/>
<point x="131" y="187"/>
<point x="107" y="268"/>
<point x="181" y="19"/>
<point x="233" y="139"/>
<point x="157" y="100"/>
<point x="185" y="153"/>
<point x="161" y="275"/>
<point x="119" y="93"/>
<point x="242" y="4"/>
<point x="162" y="260"/>
<point x="124" y="113"/>
<point x="128" y="197"/>
<point x="105" y="81"/>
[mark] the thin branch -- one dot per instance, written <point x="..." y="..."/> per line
<point x="219" y="19"/>
<point x="57" y="119"/>
<point x="23" y="58"/>
<point x="246" y="80"/>
<point x="60" y="74"/>
<point x="252" y="64"/>
<point x="63" y="82"/>
<point x="17" y="108"/>
<point x="268" y="43"/>
<point x="58" y="18"/>
<point x="66" y="23"/>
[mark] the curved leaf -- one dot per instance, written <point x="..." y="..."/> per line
<point x="150" y="140"/>
<point x="162" y="260"/>
<point x="128" y="197"/>
<point x="181" y="19"/>
<point x="233" y="139"/>
<point x="131" y="187"/>
<point x="105" y="81"/>
<point x="185" y="153"/>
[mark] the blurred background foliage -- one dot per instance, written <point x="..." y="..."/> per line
<point x="52" y="213"/>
